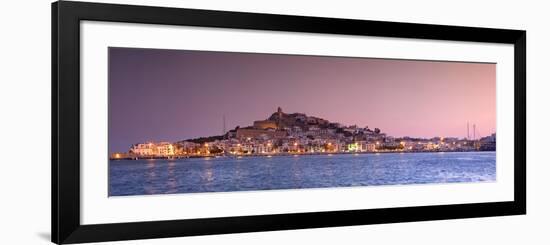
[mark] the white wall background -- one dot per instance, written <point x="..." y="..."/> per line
<point x="25" y="121"/>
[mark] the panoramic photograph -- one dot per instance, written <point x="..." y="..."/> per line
<point x="186" y="121"/>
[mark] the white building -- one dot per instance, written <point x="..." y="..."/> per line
<point x="153" y="149"/>
<point x="143" y="149"/>
<point x="164" y="149"/>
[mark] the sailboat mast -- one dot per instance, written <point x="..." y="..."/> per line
<point x="468" y="130"/>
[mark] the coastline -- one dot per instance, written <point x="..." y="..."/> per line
<point x="277" y="155"/>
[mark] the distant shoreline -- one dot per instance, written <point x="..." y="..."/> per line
<point x="275" y="155"/>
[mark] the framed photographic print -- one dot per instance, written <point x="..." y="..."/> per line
<point x="177" y="122"/>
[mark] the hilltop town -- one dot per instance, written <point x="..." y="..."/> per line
<point x="297" y="133"/>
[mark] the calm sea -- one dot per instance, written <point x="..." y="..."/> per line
<point x="141" y="177"/>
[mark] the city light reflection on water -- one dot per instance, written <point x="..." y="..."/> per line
<point x="171" y="181"/>
<point x="140" y="177"/>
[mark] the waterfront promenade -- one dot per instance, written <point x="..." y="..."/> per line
<point x="277" y="154"/>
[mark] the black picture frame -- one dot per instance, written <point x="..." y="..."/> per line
<point x="65" y="168"/>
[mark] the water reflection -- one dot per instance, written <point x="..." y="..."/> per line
<point x="269" y="177"/>
<point x="151" y="175"/>
<point x="171" y="181"/>
<point x="237" y="174"/>
<point x="328" y="171"/>
<point x="208" y="175"/>
<point x="296" y="173"/>
<point x="262" y="173"/>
